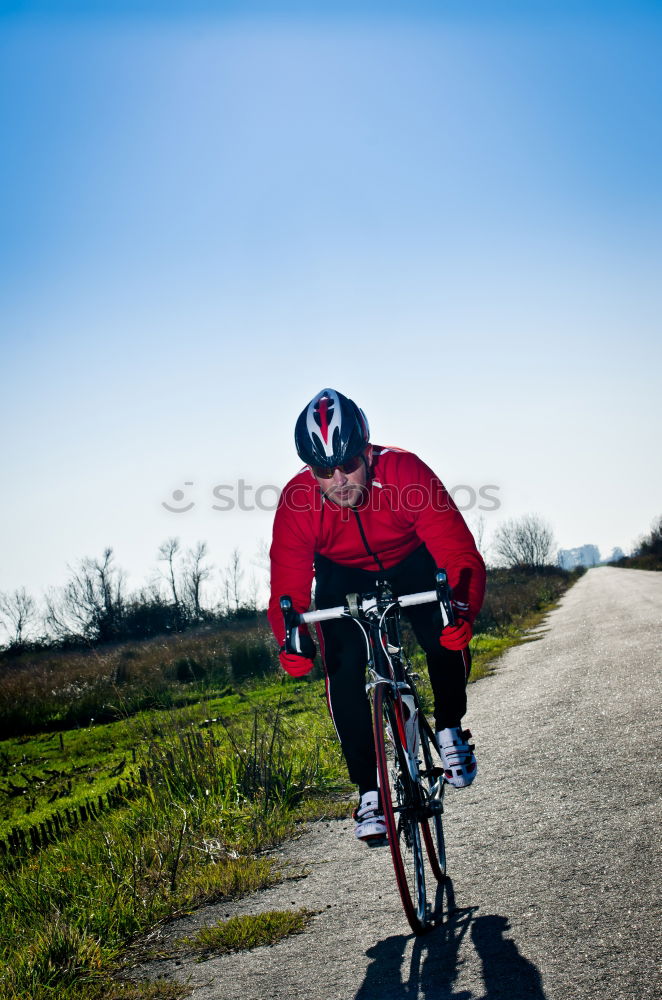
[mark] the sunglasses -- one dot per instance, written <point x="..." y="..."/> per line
<point x="323" y="472"/>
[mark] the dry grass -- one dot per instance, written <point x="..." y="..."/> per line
<point x="62" y="689"/>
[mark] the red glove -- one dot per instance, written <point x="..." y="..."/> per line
<point x="456" y="636"/>
<point x="295" y="664"/>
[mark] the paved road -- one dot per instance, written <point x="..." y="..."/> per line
<point x="553" y="853"/>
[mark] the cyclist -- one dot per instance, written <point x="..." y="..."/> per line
<point x="358" y="512"/>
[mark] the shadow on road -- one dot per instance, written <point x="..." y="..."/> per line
<point x="435" y="963"/>
<point x="506" y="973"/>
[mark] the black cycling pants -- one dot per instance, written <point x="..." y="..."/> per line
<point x="344" y="655"/>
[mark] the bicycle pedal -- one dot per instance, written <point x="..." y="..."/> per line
<point x="377" y="842"/>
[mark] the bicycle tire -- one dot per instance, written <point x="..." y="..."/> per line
<point x="400" y="801"/>
<point x="432" y="769"/>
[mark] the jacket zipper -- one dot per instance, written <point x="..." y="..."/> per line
<point x="365" y="541"/>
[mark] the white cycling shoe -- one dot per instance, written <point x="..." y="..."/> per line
<point x="369" y="818"/>
<point x="457" y="755"/>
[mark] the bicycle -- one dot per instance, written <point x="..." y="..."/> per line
<point x="409" y="768"/>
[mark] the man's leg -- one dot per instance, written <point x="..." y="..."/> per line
<point x="344" y="655"/>
<point x="448" y="670"/>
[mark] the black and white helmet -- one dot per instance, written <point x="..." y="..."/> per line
<point x="331" y="430"/>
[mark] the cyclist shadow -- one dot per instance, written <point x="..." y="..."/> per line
<point x="506" y="972"/>
<point x="435" y="960"/>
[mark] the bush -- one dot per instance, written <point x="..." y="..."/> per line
<point x="652" y="544"/>
<point x="188" y="669"/>
<point x="513" y="593"/>
<point x="144" y="618"/>
<point x="61" y="689"/>
<point x="648" y="553"/>
<point x="252" y="657"/>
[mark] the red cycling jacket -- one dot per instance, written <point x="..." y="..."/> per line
<point x="405" y="504"/>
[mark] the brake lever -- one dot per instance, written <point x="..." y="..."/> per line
<point x="290" y="618"/>
<point x="444" y="595"/>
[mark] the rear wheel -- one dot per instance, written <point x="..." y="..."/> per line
<point x="401" y="802"/>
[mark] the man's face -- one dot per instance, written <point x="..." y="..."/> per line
<point x="346" y="488"/>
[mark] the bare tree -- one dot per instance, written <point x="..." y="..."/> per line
<point x="259" y="582"/>
<point x="253" y="592"/>
<point x="195" y="573"/>
<point x="17" y="613"/>
<point x="226" y="594"/>
<point x="524" y="541"/>
<point x="231" y="582"/>
<point x="262" y="558"/>
<point x="477" y="526"/>
<point x="56" y="619"/>
<point x="168" y="553"/>
<point x="91" y="604"/>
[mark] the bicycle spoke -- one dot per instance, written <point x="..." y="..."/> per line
<point x="433" y="830"/>
<point x="400" y="802"/>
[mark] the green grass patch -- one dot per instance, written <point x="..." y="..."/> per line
<point x="159" y="989"/>
<point x="51" y="772"/>
<point x="219" y="793"/>
<point x="485" y="650"/>
<point x="248" y="931"/>
<point x="106" y="987"/>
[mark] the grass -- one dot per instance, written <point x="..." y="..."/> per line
<point x="54" y="771"/>
<point x="216" y="799"/>
<point x="248" y="931"/>
<point x="159" y="989"/>
<point x="486" y="650"/>
<point x="49" y="772"/>
<point x="53" y="689"/>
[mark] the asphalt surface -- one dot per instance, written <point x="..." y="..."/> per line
<point x="553" y="852"/>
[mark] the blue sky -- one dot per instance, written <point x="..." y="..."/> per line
<point x="451" y="212"/>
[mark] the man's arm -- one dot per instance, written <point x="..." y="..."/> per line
<point x="292" y="554"/>
<point x="440" y="525"/>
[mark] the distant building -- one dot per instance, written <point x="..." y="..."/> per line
<point x="585" y="555"/>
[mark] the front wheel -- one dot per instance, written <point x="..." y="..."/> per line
<point x="432" y="776"/>
<point x="401" y="802"/>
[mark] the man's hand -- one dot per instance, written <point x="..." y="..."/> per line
<point x="300" y="660"/>
<point x="295" y="664"/>
<point x="456" y="636"/>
